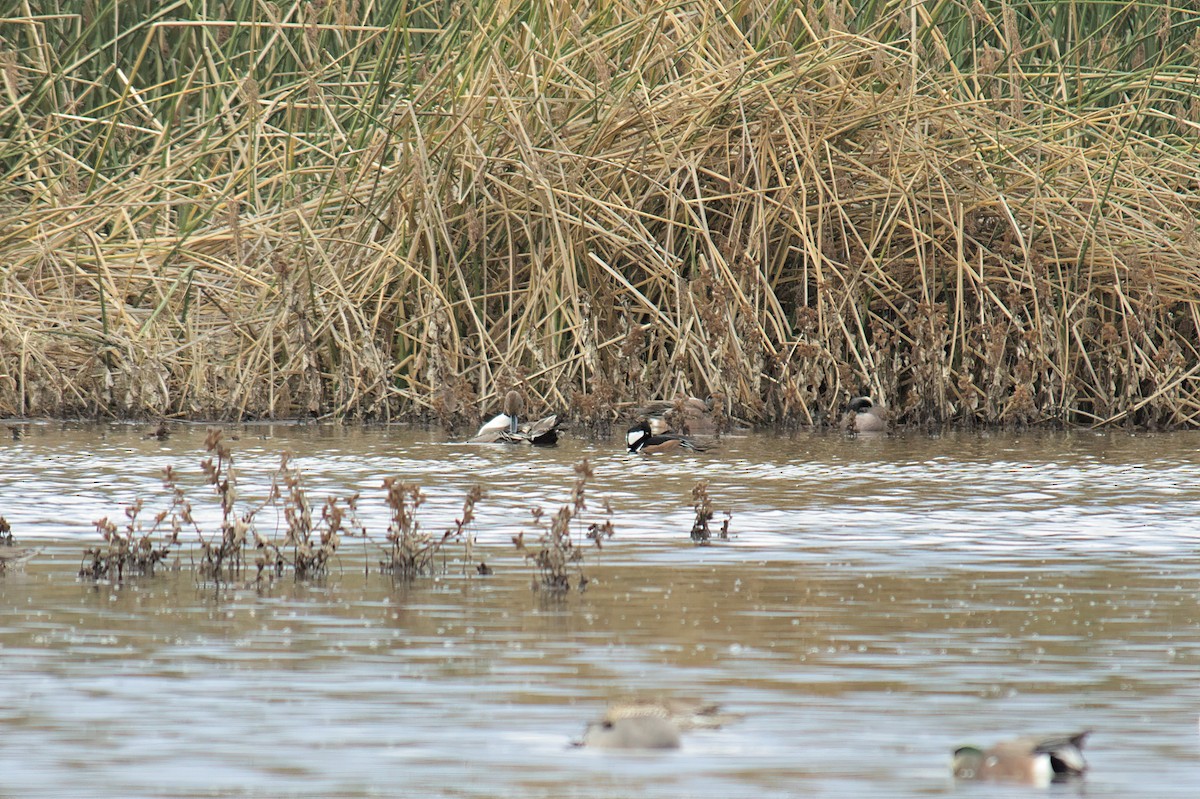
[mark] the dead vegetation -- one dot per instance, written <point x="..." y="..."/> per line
<point x="411" y="552"/>
<point x="982" y="215"/>
<point x="559" y="551"/>
<point x="305" y="545"/>
<point x="702" y="504"/>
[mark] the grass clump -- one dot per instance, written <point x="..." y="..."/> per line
<point x="128" y="551"/>
<point x="558" y="555"/>
<point x="411" y="552"/>
<point x="702" y="505"/>
<point x="135" y="550"/>
<point x="309" y="544"/>
<point x="304" y="547"/>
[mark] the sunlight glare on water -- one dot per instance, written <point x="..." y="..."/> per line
<point x="881" y="601"/>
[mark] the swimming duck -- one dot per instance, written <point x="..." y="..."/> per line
<point x="652" y="723"/>
<point x="685" y="714"/>
<point x="508" y="421"/>
<point x="1030" y="760"/>
<point x="682" y="415"/>
<point x="641" y="439"/>
<point x="631" y="732"/>
<point x="863" y="417"/>
<point x="542" y="433"/>
<point x="507" y="428"/>
<point x="15" y="556"/>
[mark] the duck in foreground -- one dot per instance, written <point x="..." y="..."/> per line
<point x="1030" y="760"/>
<point x="506" y="428"/>
<point x="686" y="714"/>
<point x="652" y="723"/>
<point x="631" y="732"/>
<point x="640" y="438"/>
<point x="863" y="417"/>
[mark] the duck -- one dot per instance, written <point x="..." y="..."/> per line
<point x="15" y="557"/>
<point x="1030" y="760"/>
<point x="506" y="427"/>
<point x="652" y="723"/>
<point x="863" y="417"/>
<point x="683" y="415"/>
<point x="686" y="714"/>
<point x="508" y="421"/>
<point x="631" y="732"/>
<point x="542" y="433"/>
<point x="641" y="438"/>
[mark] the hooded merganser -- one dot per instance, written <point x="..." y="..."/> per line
<point x="507" y="428"/>
<point x="1030" y="760"/>
<point x="641" y="439"/>
<point x="863" y="417"/>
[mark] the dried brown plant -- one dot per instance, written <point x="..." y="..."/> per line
<point x="557" y="553"/>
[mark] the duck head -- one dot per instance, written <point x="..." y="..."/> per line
<point x="637" y="435"/>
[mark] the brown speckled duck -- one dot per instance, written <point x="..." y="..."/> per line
<point x="652" y="723"/>
<point x="683" y="415"/>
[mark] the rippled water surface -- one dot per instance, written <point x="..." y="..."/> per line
<point x="880" y="602"/>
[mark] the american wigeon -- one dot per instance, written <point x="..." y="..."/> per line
<point x="863" y="417"/>
<point x="642" y="440"/>
<point x="652" y="723"/>
<point x="1030" y="760"/>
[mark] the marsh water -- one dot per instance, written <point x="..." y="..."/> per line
<point x="879" y="602"/>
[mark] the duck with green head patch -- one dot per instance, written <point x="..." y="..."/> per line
<point x="1030" y="760"/>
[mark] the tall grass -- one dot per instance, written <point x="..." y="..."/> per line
<point x="980" y="212"/>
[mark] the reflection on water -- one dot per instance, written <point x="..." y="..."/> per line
<point x="882" y="601"/>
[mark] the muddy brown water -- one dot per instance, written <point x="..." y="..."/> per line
<point x="881" y="601"/>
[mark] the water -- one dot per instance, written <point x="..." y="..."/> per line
<point x="881" y="602"/>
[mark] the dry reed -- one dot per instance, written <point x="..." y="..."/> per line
<point x="981" y="216"/>
<point x="558" y="553"/>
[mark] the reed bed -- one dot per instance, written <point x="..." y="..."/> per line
<point x="979" y="211"/>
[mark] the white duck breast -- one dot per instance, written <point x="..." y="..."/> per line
<point x="496" y="424"/>
<point x="634" y="436"/>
